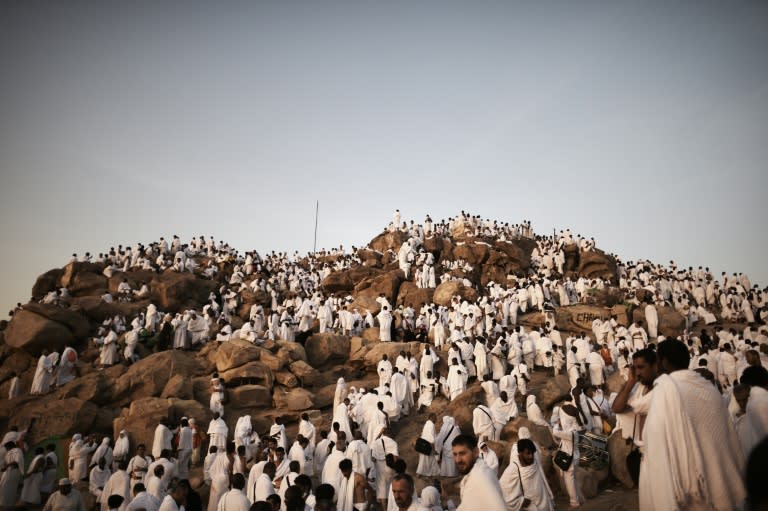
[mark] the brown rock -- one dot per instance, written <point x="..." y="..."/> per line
<point x="96" y="387"/>
<point x="272" y="361"/>
<point x="16" y="362"/>
<point x="149" y="376"/>
<point x="233" y="354"/>
<point x="367" y="290"/>
<point x="286" y="379"/>
<point x="388" y="241"/>
<point x="473" y="253"/>
<point x="671" y="322"/>
<point x="39" y="327"/>
<point x="252" y="373"/>
<point x="250" y="396"/>
<point x="618" y="450"/>
<point x="461" y="408"/>
<point x="392" y="350"/>
<point x="173" y="291"/>
<point x="307" y="375"/>
<point x="553" y="390"/>
<point x="73" y="269"/>
<point x="447" y="290"/>
<point x="292" y="351"/>
<point x="410" y="294"/>
<point x="143" y="416"/>
<point x="597" y="264"/>
<point x="294" y="400"/>
<point x="54" y="417"/>
<point x="578" y="318"/>
<point x="324" y="350"/>
<point x="88" y="284"/>
<point x="178" y="386"/>
<point x="338" y="282"/>
<point x="46" y="283"/>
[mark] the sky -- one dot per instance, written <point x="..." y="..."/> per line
<point x="642" y="124"/>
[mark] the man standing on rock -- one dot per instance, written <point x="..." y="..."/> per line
<point x="385" y="324"/>
<point x="384" y="369"/>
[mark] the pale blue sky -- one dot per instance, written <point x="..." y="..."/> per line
<point x="643" y="124"/>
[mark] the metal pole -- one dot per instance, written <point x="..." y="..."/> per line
<point x="317" y="209"/>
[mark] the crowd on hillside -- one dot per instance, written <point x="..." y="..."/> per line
<point x="681" y="396"/>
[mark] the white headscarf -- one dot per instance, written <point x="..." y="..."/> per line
<point x="122" y="445"/>
<point x="534" y="412"/>
<point x="430" y="498"/>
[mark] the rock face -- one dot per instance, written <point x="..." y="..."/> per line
<point x="63" y="417"/>
<point x="618" y="450"/>
<point x="447" y="290"/>
<point x="671" y="322"/>
<point x="173" y="291"/>
<point x="143" y="416"/>
<point x="39" y="327"/>
<point x="324" y="350"/>
<point x="294" y="399"/>
<point x="149" y="376"/>
<point x="597" y="264"/>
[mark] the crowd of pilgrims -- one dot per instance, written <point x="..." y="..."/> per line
<point x="480" y="341"/>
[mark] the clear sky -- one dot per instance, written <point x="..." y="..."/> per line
<point x="643" y="124"/>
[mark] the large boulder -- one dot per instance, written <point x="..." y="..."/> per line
<point x="416" y="297"/>
<point x="233" y="354"/>
<point x="461" y="408"/>
<point x="37" y="327"/>
<point x="178" y="386"/>
<point x="325" y="350"/>
<point x="671" y="322"/>
<point x="173" y="291"/>
<point x="338" y="282"/>
<point x="149" y="376"/>
<point x="249" y="396"/>
<point x="368" y="289"/>
<point x="376" y="351"/>
<point x="553" y="390"/>
<point x="46" y="283"/>
<point x="447" y="290"/>
<point x="76" y="268"/>
<point x="88" y="284"/>
<point x="59" y="417"/>
<point x="618" y="450"/>
<point x="473" y="253"/>
<point x="144" y="414"/>
<point x="306" y="374"/>
<point x="294" y="399"/>
<point x="252" y="373"/>
<point x="388" y="241"/>
<point x="96" y="387"/>
<point x="579" y="318"/>
<point x="596" y="264"/>
<point x="96" y="310"/>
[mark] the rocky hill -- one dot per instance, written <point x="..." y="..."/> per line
<point x="277" y="377"/>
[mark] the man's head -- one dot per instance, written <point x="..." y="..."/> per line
<point x="345" y="466"/>
<point x="238" y="481"/>
<point x="178" y="491"/>
<point x="269" y="469"/>
<point x="402" y="490"/>
<point x="65" y="486"/>
<point x="526" y="450"/>
<point x="673" y="356"/>
<point x="741" y="395"/>
<point x="465" y="452"/>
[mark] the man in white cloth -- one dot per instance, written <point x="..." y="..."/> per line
<point x="457" y="379"/>
<point x="482" y="423"/>
<point x="382" y="446"/>
<point x="65" y="498"/>
<point x="331" y="473"/>
<point x="177" y="495"/>
<point x="218" y="432"/>
<point x="30" y="492"/>
<point x="402" y="493"/>
<point x="523" y="483"/>
<point x="41" y="382"/>
<point x="384" y="370"/>
<point x="163" y="438"/>
<point x="385" y="324"/>
<point x="360" y="454"/>
<point x="235" y="499"/>
<point x="138" y="465"/>
<point x="428" y="466"/>
<point x="480" y="487"/>
<point x="693" y="459"/>
<point x="448" y="431"/>
<point x="119" y="483"/>
<point x="99" y="476"/>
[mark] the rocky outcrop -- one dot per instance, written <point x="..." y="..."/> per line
<point x="39" y="327"/>
<point x="149" y="376"/>
<point x="671" y="322"/>
<point x="447" y="290"/>
<point x="596" y="264"/>
<point x="143" y="415"/>
<point x="324" y="350"/>
<point x="172" y="291"/>
<point x="413" y="296"/>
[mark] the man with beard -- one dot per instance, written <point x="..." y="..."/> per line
<point x="480" y="487"/>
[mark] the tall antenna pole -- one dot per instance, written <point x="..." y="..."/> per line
<point x="317" y="209"/>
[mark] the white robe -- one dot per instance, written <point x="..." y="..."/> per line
<point x="692" y="450"/>
<point x="428" y="466"/>
<point x="480" y="489"/>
